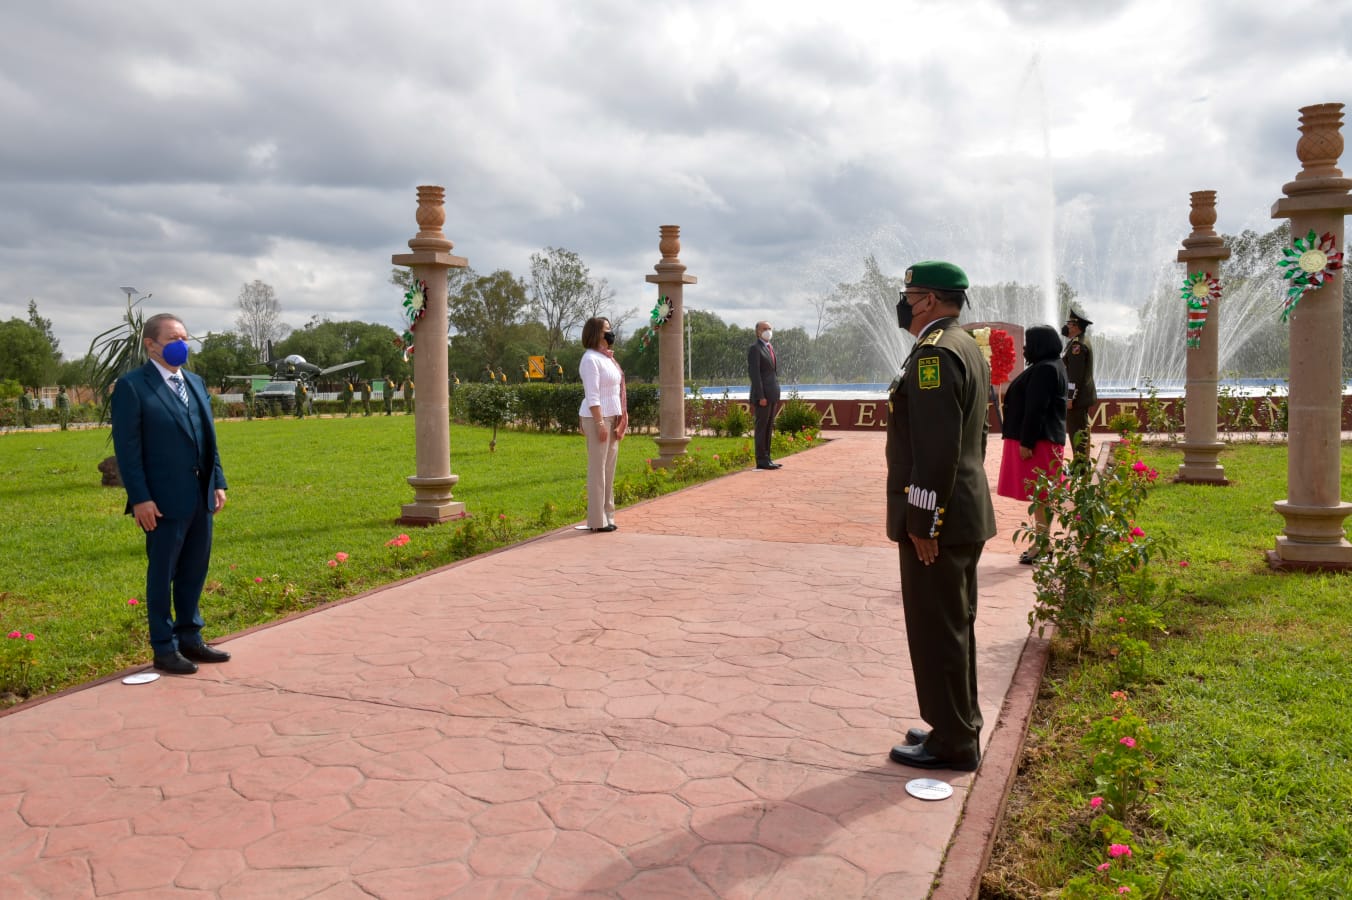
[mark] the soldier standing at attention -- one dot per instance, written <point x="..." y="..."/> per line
<point x="365" y="397"/>
<point x="408" y="396"/>
<point x="248" y="401"/>
<point x="26" y="408"/>
<point x="347" y="400"/>
<point x="939" y="512"/>
<point x="63" y="407"/>
<point x="387" y="395"/>
<point x="1079" y="360"/>
<point x="300" y="399"/>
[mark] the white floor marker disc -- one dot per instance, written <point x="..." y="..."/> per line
<point x="929" y="789"/>
<point x="141" y="678"/>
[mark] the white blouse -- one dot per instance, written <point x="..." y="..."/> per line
<point x="600" y="384"/>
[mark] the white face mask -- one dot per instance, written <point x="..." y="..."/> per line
<point x="766" y="335"/>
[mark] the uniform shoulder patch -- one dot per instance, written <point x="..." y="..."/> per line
<point x="932" y="339"/>
<point x="927" y="372"/>
<point x="1075" y="349"/>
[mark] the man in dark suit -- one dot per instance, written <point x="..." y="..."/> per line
<point x="939" y="512"/>
<point x="1079" y="360"/>
<point x="165" y="443"/>
<point x="763" y="366"/>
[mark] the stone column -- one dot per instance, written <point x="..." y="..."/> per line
<point x="1317" y="200"/>
<point x="1203" y="251"/>
<point x="671" y="281"/>
<point x="430" y="261"/>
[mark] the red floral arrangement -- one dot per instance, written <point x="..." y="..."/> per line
<point x="1002" y="356"/>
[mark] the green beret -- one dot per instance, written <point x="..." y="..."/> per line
<point x="942" y="276"/>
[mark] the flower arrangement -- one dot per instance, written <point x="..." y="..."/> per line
<point x="998" y="348"/>
<point x="1308" y="265"/>
<point x="1198" y="290"/>
<point x="660" y="315"/>
<point x="415" y="307"/>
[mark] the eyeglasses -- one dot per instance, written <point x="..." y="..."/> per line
<point x="908" y="295"/>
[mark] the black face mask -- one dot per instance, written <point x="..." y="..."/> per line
<point x="1065" y="331"/>
<point x="904" y="314"/>
<point x="610" y="338"/>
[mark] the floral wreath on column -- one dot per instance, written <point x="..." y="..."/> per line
<point x="998" y="348"/>
<point x="1198" y="290"/>
<point x="660" y="315"/>
<point x="1307" y="266"/>
<point x="415" y="307"/>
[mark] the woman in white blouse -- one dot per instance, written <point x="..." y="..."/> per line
<point x="603" y="420"/>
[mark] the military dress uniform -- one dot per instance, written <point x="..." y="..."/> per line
<point x="936" y="488"/>
<point x="408" y="397"/>
<point x="387" y="396"/>
<point x="1079" y="361"/>
<point x="300" y="400"/>
<point x="347" y="400"/>
<point x="365" y="397"/>
<point x="63" y="408"/>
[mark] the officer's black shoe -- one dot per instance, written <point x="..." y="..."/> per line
<point x="917" y="736"/>
<point x="916" y="756"/>
<point x="175" y="663"/>
<point x="204" y="654"/>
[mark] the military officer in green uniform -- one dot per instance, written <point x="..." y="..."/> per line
<point x="347" y="400"/>
<point x="248" y="401"/>
<point x="63" y="407"/>
<point x="300" y="399"/>
<point x="26" y="405"/>
<point x="387" y="395"/>
<point x="939" y="512"/>
<point x="365" y="397"/>
<point x="408" y="396"/>
<point x="1079" y="360"/>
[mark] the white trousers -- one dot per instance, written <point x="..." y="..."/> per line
<point x="600" y="471"/>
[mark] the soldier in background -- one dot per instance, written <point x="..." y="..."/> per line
<point x="63" y="408"/>
<point x="347" y="400"/>
<point x="300" y="399"/>
<point x="408" y="397"/>
<point x="387" y="395"/>
<point x="1079" y="360"/>
<point x="248" y="401"/>
<point x="365" y="397"/>
<point x="26" y="408"/>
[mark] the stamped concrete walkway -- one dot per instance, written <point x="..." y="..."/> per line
<point x="698" y="705"/>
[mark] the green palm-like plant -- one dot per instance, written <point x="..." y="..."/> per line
<point x="116" y="352"/>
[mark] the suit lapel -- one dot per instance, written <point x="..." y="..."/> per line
<point x="172" y="402"/>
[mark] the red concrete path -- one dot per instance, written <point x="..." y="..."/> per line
<point x="698" y="705"/>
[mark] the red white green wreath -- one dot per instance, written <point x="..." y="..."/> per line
<point x="1307" y="266"/>
<point x="660" y="316"/>
<point x="1199" y="289"/>
<point x="415" y="307"/>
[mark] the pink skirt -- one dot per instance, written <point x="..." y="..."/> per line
<point x="1018" y="475"/>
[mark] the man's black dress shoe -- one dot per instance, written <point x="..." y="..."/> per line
<point x="916" y="736"/>
<point x="916" y="756"/>
<point x="606" y="528"/>
<point x="769" y="467"/>
<point x="175" y="663"/>
<point x="204" y="654"/>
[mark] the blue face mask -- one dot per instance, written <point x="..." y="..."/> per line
<point x="175" y="353"/>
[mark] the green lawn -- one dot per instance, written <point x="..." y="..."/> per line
<point x="1249" y="692"/>
<point x="301" y="491"/>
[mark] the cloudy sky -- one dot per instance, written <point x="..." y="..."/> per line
<point x="185" y="149"/>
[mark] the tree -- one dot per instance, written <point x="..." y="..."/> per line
<point x="26" y="354"/>
<point x="559" y="287"/>
<point x="485" y="311"/>
<point x="44" y="326"/>
<point x="223" y="354"/>
<point x="258" y="316"/>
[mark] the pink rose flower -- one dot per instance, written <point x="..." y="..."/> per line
<point x="1116" y="850"/>
<point x="1103" y="867"/>
<point x="30" y="637"/>
<point x="1124" y="889"/>
<point x="15" y="634"/>
<point x="1128" y="742"/>
<point x="258" y="580"/>
<point x="1183" y="563"/>
<point x="333" y="563"/>
<point x="133" y="601"/>
<point x="1095" y="802"/>
<point x="341" y="557"/>
<point x="1138" y="466"/>
<point x="1137" y="531"/>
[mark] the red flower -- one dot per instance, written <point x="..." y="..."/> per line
<point x="1002" y="356"/>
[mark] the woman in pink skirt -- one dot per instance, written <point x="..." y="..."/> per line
<point x="1034" y="423"/>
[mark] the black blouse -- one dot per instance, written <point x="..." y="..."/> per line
<point x="1035" y="405"/>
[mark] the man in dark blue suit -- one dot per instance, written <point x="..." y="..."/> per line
<point x="165" y="443"/>
<point x="763" y="368"/>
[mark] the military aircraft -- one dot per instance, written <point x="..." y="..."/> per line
<point x="286" y="372"/>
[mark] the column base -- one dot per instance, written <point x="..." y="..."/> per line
<point x="668" y="449"/>
<point x="1199" y="464"/>
<point x="1313" y="538"/>
<point x="1291" y="556"/>
<point x="432" y="501"/>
